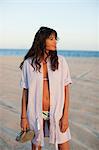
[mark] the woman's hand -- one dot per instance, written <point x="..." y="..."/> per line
<point x="24" y="124"/>
<point x="63" y="123"/>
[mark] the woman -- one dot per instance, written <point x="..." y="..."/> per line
<point x="45" y="98"/>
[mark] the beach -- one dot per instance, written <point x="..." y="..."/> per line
<point x="83" y="108"/>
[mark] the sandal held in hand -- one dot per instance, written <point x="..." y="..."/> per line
<point x="25" y="136"/>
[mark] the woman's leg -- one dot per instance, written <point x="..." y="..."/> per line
<point x="34" y="147"/>
<point x="64" y="146"/>
<point x="39" y="147"/>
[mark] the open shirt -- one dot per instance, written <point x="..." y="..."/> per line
<point x="33" y="81"/>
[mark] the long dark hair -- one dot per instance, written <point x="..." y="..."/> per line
<point x="38" y="48"/>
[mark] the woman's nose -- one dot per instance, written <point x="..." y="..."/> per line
<point x="55" y="41"/>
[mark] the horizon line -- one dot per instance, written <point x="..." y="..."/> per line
<point x="57" y="49"/>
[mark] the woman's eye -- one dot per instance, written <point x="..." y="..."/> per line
<point x="51" y="38"/>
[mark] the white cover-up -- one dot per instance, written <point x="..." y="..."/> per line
<point x="33" y="81"/>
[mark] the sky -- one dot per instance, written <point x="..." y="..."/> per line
<point x="76" y="22"/>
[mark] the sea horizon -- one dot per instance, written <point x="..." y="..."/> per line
<point x="69" y="53"/>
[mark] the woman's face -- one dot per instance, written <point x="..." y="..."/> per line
<point x="51" y="42"/>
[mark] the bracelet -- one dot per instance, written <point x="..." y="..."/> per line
<point x="23" y="117"/>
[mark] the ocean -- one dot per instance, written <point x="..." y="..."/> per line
<point x="66" y="53"/>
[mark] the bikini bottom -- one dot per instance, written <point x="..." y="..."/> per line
<point x="46" y="122"/>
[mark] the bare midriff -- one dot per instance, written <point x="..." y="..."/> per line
<point x="46" y="91"/>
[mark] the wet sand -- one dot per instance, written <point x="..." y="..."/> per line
<point x="83" y="109"/>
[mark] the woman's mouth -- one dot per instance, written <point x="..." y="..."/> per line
<point x="54" y="46"/>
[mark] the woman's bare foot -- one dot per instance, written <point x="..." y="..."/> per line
<point x="34" y="147"/>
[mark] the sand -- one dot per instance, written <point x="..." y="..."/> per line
<point x="83" y="109"/>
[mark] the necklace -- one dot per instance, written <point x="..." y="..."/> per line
<point x="44" y="62"/>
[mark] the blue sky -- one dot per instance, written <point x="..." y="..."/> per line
<point x="76" y="22"/>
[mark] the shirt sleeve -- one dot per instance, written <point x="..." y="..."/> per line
<point x="24" y="77"/>
<point x="66" y="73"/>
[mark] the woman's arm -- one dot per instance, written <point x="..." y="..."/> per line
<point x="63" y="123"/>
<point x="24" y="120"/>
<point x="24" y="103"/>
<point x="66" y="101"/>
